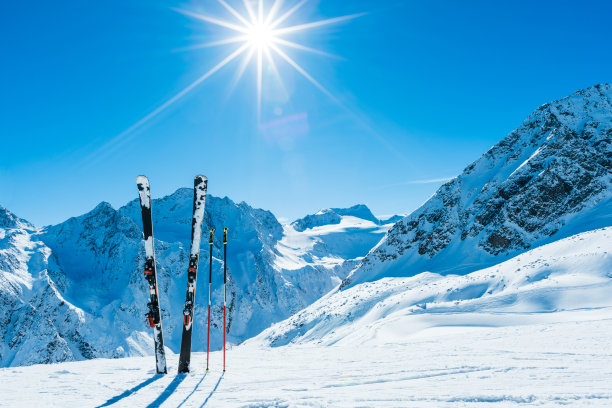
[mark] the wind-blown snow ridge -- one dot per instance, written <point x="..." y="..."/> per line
<point x="548" y="179"/>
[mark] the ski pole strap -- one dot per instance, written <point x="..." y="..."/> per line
<point x="224" y="236"/>
<point x="212" y="233"/>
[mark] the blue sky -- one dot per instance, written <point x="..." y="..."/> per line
<point x="423" y="88"/>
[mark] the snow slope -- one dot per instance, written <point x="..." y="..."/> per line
<point x="569" y="275"/>
<point x="75" y="290"/>
<point x="548" y="179"/>
<point x="532" y="331"/>
<point x="556" y="359"/>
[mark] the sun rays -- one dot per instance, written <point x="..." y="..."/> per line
<point x="256" y="33"/>
<point x="259" y="32"/>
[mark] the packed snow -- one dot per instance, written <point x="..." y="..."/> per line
<point x="563" y="362"/>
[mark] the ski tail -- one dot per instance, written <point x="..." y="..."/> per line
<point x="200" y="185"/>
<point x="153" y="314"/>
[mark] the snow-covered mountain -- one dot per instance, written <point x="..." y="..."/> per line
<point x="548" y="179"/>
<point x="75" y="290"/>
<point x="570" y="275"/>
<point x="330" y="216"/>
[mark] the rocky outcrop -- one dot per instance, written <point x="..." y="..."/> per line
<point x="548" y="179"/>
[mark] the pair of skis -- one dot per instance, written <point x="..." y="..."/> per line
<point x="154" y="314"/>
<point x="212" y="232"/>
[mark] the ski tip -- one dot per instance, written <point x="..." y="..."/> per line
<point x="200" y="178"/>
<point x="142" y="180"/>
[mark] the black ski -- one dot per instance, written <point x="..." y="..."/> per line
<point x="153" y="315"/>
<point x="199" y="200"/>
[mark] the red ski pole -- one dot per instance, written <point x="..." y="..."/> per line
<point x="224" y="288"/>
<point x="210" y="241"/>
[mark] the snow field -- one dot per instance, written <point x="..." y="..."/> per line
<point x="533" y="331"/>
<point x="563" y="360"/>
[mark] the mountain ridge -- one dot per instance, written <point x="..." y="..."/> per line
<point x="74" y="290"/>
<point x="548" y="179"/>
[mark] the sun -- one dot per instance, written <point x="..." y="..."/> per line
<point x="261" y="36"/>
<point x="260" y="32"/>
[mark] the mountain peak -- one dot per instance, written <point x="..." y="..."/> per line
<point x="331" y="216"/>
<point x="10" y="220"/>
<point x="360" y="211"/>
<point x="546" y="180"/>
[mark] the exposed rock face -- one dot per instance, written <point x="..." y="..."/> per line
<point x="548" y="179"/>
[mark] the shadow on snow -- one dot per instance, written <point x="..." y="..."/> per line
<point x="131" y="391"/>
<point x="194" y="390"/>
<point x="213" y="390"/>
<point x="168" y="391"/>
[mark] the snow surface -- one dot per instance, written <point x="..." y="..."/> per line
<point x="568" y="275"/>
<point x="532" y="331"/>
<point x="328" y="245"/>
<point x="564" y="362"/>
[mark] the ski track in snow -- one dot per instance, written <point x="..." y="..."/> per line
<point x="563" y="360"/>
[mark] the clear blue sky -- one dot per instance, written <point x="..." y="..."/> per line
<point x="426" y="88"/>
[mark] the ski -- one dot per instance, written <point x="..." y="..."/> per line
<point x="153" y="315"/>
<point x="200" y="184"/>
<point x="210" y="241"/>
<point x="224" y="289"/>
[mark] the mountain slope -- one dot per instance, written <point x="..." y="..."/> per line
<point x="37" y="323"/>
<point x="548" y="179"/>
<point x="75" y="290"/>
<point x="569" y="275"/>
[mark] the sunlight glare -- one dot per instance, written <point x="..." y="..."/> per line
<point x="261" y="35"/>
